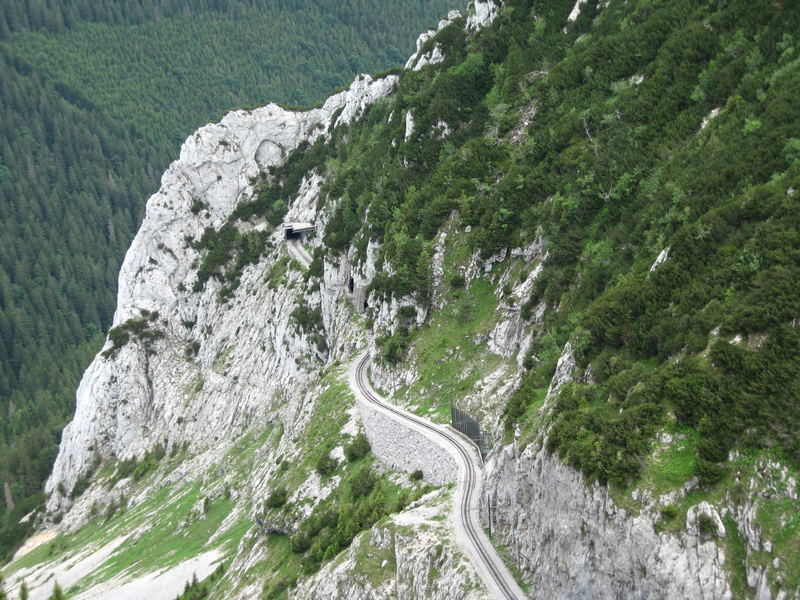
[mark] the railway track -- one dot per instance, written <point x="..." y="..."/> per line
<point x="469" y="533"/>
<point x="297" y="250"/>
<point x="473" y="540"/>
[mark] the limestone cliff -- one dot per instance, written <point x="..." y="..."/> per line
<point x="248" y="353"/>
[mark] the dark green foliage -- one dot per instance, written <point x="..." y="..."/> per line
<point x="362" y="483"/>
<point x="276" y="587"/>
<point x="326" y="464"/>
<point x="416" y="475"/>
<point x="706" y="525"/>
<point x="316" y="268"/>
<point x="406" y="313"/>
<point x="13" y="531"/>
<point x="708" y="472"/>
<point x="138" y="469"/>
<point x="149" y="462"/>
<point x="359" y="502"/>
<point x="533" y="386"/>
<point x="72" y="184"/>
<point x="669" y="512"/>
<point x="310" y="321"/>
<point x="277" y="498"/>
<point x="82" y="147"/>
<point x="226" y="252"/>
<point x="199" y="590"/>
<point x="124" y="469"/>
<point x="342" y="226"/>
<point x="393" y="347"/>
<point x="598" y="438"/>
<point x="141" y="329"/>
<point x="307" y="318"/>
<point x="358" y="448"/>
<point x="280" y="186"/>
<point x="83" y="482"/>
<point x="612" y="171"/>
<point x="457" y="282"/>
<point x="58" y="593"/>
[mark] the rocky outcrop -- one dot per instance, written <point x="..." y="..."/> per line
<point x="214" y="367"/>
<point x="570" y="540"/>
<point x="418" y="60"/>
<point x="482" y="13"/>
<point x="400" y="559"/>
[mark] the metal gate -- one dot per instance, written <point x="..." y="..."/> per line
<point x="469" y="427"/>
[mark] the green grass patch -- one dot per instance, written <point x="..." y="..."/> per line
<point x="735" y="554"/>
<point x="449" y="361"/>
<point x="168" y="541"/>
<point x="512" y="567"/>
<point x="779" y="520"/>
<point x="674" y="466"/>
<point x="530" y="420"/>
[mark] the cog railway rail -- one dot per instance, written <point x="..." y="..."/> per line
<point x="488" y="564"/>
<point x="481" y="549"/>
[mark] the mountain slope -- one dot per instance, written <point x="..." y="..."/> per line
<point x="575" y="222"/>
<point x="95" y="98"/>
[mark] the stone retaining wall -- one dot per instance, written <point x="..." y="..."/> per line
<point x="405" y="449"/>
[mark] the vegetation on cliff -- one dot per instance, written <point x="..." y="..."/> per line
<point x="644" y="128"/>
<point x="95" y="98"/>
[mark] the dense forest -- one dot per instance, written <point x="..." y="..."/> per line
<point x="661" y="126"/>
<point x="644" y="129"/>
<point x="95" y="98"/>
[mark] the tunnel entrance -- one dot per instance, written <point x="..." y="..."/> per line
<point x="297" y="231"/>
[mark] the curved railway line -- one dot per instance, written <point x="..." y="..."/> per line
<point x="470" y="535"/>
<point x="475" y="542"/>
<point x="297" y="250"/>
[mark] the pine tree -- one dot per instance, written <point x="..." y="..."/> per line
<point x="58" y="593"/>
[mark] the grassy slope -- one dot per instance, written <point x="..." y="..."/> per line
<point x="169" y="527"/>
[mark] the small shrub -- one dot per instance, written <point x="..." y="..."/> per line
<point x="124" y="469"/>
<point x="669" y="512"/>
<point x="277" y="498"/>
<point x="416" y="475"/>
<point x="406" y="313"/>
<point x="326" y="465"/>
<point x="140" y="328"/>
<point x="358" y="448"/>
<point x="457" y="282"/>
<point x="111" y="510"/>
<point x="309" y="319"/>
<point x="362" y="483"/>
<point x="708" y="472"/>
<point x="706" y="525"/>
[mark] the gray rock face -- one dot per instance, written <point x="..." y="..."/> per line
<point x="483" y="13"/>
<point x="250" y="362"/>
<point x="418" y="60"/>
<point x="571" y="541"/>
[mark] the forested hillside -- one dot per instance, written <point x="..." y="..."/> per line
<point x="95" y="98"/>
<point x="646" y="128"/>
